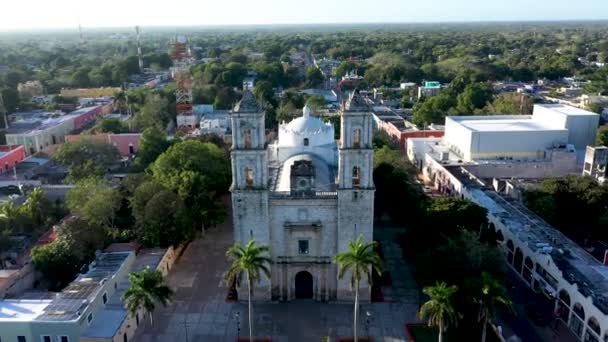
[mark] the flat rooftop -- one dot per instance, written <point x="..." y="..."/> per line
<point x="108" y="321"/>
<point x="507" y="125"/>
<point x="565" y="109"/>
<point x="576" y="264"/>
<point x="39" y="121"/>
<point x="22" y="309"/>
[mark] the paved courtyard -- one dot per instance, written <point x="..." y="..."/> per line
<point x="199" y="311"/>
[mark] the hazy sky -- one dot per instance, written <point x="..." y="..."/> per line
<point x="24" y="14"/>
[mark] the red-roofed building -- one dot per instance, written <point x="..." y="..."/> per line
<point x="126" y="143"/>
<point x="10" y="156"/>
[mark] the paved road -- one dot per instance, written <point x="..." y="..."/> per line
<point x="200" y="307"/>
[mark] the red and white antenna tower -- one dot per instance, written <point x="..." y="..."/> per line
<point x="182" y="61"/>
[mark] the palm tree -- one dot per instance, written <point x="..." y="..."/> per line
<point x="360" y="258"/>
<point x="147" y="289"/>
<point x="439" y="308"/>
<point x="252" y="260"/>
<point x="492" y="295"/>
<point x="35" y="204"/>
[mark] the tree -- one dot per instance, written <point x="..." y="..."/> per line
<point x="38" y="207"/>
<point x="83" y="237"/>
<point x="148" y="288"/>
<point x="153" y="143"/>
<point x="316" y="102"/>
<point x="56" y="262"/>
<point x="153" y="113"/>
<point x="111" y="126"/>
<point x="80" y="78"/>
<point x="433" y="110"/>
<point x="454" y="214"/>
<point x="602" y="136"/>
<point x="475" y="96"/>
<point x="96" y="201"/>
<point x="263" y="92"/>
<point x="314" y="77"/>
<point x="491" y="295"/>
<point x="86" y="158"/>
<point x="439" y="308"/>
<point x="253" y="261"/>
<point x="198" y="172"/>
<point x="509" y="103"/>
<point x="361" y="260"/>
<point x="158" y="214"/>
<point x="225" y="98"/>
<point x="11" y="99"/>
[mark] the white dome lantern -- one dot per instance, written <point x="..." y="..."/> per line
<point x="306" y="133"/>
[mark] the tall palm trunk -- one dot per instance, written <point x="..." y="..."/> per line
<point x="356" y="310"/>
<point x="440" y="332"/>
<point x="250" y="308"/>
<point x="483" y="329"/>
<point x="151" y="319"/>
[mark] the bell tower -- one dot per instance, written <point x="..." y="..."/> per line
<point x="250" y="178"/>
<point x="355" y="182"/>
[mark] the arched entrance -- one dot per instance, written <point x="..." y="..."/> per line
<point x="304" y="285"/>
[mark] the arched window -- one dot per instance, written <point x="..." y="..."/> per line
<point x="578" y="310"/>
<point x="306" y="141"/>
<point x="519" y="260"/>
<point x="528" y="268"/>
<point x="563" y="305"/>
<point x="499" y="236"/>
<point x="356" y="177"/>
<point x="594" y="326"/>
<point x="249" y="177"/>
<point x="577" y="320"/>
<point x="247" y="138"/>
<point x="357" y="138"/>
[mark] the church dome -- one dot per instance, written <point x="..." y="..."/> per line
<point x="307" y="123"/>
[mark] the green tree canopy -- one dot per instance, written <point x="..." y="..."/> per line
<point x="111" y="125"/>
<point x="86" y="158"/>
<point x="159" y="216"/>
<point x="153" y="143"/>
<point x="198" y="172"/>
<point x="96" y="201"/>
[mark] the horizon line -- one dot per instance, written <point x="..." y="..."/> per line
<point x="239" y="25"/>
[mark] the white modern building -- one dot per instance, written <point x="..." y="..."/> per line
<point x="89" y="309"/>
<point x="305" y="196"/>
<point x="520" y="137"/>
<point x="501" y="137"/>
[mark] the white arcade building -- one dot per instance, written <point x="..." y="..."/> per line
<point x="304" y="195"/>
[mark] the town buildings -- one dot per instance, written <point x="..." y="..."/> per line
<point x="35" y="131"/>
<point x="596" y="163"/>
<point x="304" y="195"/>
<point x="127" y="144"/>
<point x="549" y="143"/>
<point x="89" y="309"/>
<point x="568" y="277"/>
<point x="429" y="89"/>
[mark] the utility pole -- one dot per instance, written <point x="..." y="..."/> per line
<point x="139" y="54"/>
<point x="3" y="112"/>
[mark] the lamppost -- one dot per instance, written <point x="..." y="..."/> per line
<point x="238" y="325"/>
<point x="368" y="317"/>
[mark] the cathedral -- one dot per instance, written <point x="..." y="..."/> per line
<point x="305" y="195"/>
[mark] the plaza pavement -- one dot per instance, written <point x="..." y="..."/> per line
<point x="199" y="311"/>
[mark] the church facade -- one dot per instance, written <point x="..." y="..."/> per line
<point x="304" y="195"/>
